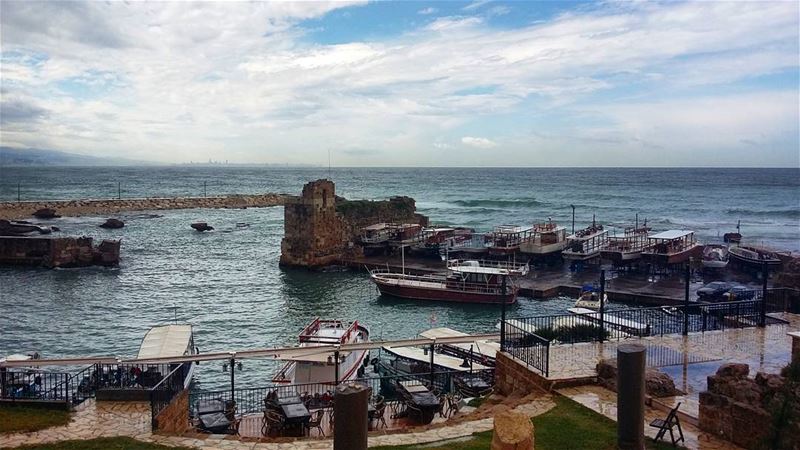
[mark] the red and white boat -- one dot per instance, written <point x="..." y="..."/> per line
<point x="466" y="281"/>
<point x="586" y="244"/>
<point x="547" y="238"/>
<point x="672" y="247"/>
<point x="626" y="247"/>
<point x="318" y="366"/>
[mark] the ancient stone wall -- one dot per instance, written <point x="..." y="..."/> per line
<point x="512" y="376"/>
<point x="53" y="252"/>
<point x="320" y="228"/>
<point x="175" y="417"/>
<point x="20" y="210"/>
<point x="312" y="231"/>
<point x="753" y="413"/>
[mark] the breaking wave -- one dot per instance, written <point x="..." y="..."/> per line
<point x="792" y="213"/>
<point x="499" y="203"/>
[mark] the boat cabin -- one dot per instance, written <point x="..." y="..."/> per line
<point x="672" y="241"/>
<point x="328" y="332"/>
<point x="377" y="233"/>
<point x="508" y="238"/>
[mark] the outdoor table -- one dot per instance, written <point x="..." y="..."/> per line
<point x="289" y="400"/>
<point x="413" y="387"/>
<point x="215" y="422"/>
<point x="295" y="415"/>
<point x="210" y="406"/>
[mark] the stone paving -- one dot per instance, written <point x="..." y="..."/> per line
<point x="92" y="420"/>
<point x="765" y="349"/>
<point x="604" y="402"/>
<point x="133" y="419"/>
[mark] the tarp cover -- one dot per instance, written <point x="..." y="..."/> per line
<point x="165" y="341"/>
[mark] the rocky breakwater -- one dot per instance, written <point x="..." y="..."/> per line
<point x="17" y="210"/>
<point x="51" y="252"/>
<point x="753" y="413"/>
<point x="320" y="228"/>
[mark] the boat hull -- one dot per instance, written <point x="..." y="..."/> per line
<point x="742" y="260"/>
<point x="444" y="294"/>
<point x="575" y="256"/>
<point x="619" y="257"/>
<point x="674" y="258"/>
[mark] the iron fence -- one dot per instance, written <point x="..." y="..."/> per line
<point x="162" y="394"/>
<point x="527" y="346"/>
<point x="321" y="394"/>
<point x="35" y="385"/>
<point x="130" y="376"/>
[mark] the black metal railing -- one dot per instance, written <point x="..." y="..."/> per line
<point x="528" y="347"/>
<point x="642" y="322"/>
<point x="320" y="395"/>
<point x="162" y="394"/>
<point x="35" y="385"/>
<point x="131" y="376"/>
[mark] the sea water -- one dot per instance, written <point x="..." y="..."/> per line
<point x="228" y="285"/>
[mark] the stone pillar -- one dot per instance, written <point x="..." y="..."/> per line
<point x="631" y="359"/>
<point x="350" y="423"/>
<point x="795" y="345"/>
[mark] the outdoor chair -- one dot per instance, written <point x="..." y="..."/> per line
<point x="668" y="424"/>
<point x="398" y="408"/>
<point x="272" y="423"/>
<point x="233" y="428"/>
<point x="330" y="417"/>
<point x="380" y="416"/>
<point x="316" y="422"/>
<point x="453" y="404"/>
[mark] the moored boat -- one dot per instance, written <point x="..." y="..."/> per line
<point x="715" y="256"/>
<point x="321" y="367"/>
<point x="507" y="239"/>
<point x="547" y="238"/>
<point x="167" y="341"/>
<point x="755" y="257"/>
<point x="626" y="247"/>
<point x="586" y="244"/>
<point x="590" y="298"/>
<point x="467" y="281"/>
<point x="672" y="247"/>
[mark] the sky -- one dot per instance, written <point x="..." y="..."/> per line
<point x="451" y="83"/>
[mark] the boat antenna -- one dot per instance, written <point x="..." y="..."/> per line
<point x="403" y="257"/>
<point x="738" y="226"/>
<point x="637" y="221"/>
<point x="593" y="225"/>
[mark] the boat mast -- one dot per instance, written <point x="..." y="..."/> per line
<point x="403" y="258"/>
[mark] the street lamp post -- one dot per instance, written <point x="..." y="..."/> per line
<point x="573" y="218"/>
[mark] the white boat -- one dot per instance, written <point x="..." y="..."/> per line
<point x="625" y="247"/>
<point x="320" y="366"/>
<point x="715" y="256"/>
<point x="590" y="299"/>
<point x="586" y="244"/>
<point x="170" y="341"/>
<point x="671" y="247"/>
<point x="547" y="238"/>
<point x="482" y="350"/>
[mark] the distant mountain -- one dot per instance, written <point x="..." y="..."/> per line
<point x="38" y="157"/>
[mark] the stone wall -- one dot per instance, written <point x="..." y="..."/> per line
<point x="514" y="377"/>
<point x="21" y="210"/>
<point x="50" y="252"/>
<point x="744" y="410"/>
<point x="175" y="417"/>
<point x="320" y="228"/>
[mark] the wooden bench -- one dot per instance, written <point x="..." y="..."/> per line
<point x="668" y="424"/>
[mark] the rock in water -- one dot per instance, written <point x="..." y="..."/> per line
<point x="512" y="431"/>
<point x="202" y="226"/>
<point x="45" y="213"/>
<point x="112" y="223"/>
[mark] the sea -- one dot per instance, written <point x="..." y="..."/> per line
<point x="227" y="283"/>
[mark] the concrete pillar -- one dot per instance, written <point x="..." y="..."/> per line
<point x="350" y="423"/>
<point x="631" y="362"/>
<point x="795" y="345"/>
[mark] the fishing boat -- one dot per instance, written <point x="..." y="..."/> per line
<point x="590" y="298"/>
<point x="671" y="247"/>
<point x="169" y="341"/>
<point x="626" y="247"/>
<point x="466" y="281"/>
<point x="715" y="256"/>
<point x="321" y="367"/>
<point x="547" y="238"/>
<point x="507" y="239"/>
<point x="586" y="244"/>
<point x="432" y="241"/>
<point x="755" y="257"/>
<point x="480" y="351"/>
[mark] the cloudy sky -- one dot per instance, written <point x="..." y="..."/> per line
<point x="411" y="83"/>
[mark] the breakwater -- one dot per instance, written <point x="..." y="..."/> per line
<point x="21" y="210"/>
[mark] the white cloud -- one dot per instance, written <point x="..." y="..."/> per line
<point x="427" y="11"/>
<point x="178" y="81"/>
<point x="475" y="5"/>
<point x="478" y="142"/>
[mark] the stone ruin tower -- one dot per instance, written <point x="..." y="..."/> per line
<point x="313" y="234"/>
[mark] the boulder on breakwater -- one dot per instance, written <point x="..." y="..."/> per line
<point x="201" y="226"/>
<point x="112" y="224"/>
<point x="45" y="213"/>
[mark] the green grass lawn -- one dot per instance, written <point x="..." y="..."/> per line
<point x="14" y="419"/>
<point x="117" y="443"/>
<point x="568" y="426"/>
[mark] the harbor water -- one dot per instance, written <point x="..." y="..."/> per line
<point x="227" y="283"/>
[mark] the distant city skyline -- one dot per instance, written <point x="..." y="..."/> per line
<point x="676" y="84"/>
